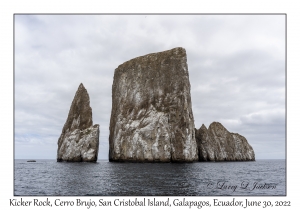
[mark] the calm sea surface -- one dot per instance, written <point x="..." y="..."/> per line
<point x="48" y="177"/>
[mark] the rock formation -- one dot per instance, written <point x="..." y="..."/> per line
<point x="79" y="140"/>
<point x="152" y="118"/>
<point x="217" y="144"/>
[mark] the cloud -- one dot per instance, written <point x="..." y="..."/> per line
<point x="236" y="66"/>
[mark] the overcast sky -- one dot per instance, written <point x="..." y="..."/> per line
<point x="236" y="66"/>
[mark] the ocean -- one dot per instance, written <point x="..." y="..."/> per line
<point x="51" y="178"/>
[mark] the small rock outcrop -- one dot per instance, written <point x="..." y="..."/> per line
<point x="152" y="118"/>
<point x="217" y="144"/>
<point x="79" y="140"/>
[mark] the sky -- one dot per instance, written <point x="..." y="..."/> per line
<point x="236" y="66"/>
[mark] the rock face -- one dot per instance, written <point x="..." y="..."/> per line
<point x="79" y="140"/>
<point x="152" y="118"/>
<point x="217" y="144"/>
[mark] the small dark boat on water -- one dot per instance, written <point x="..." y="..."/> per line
<point x="31" y="161"/>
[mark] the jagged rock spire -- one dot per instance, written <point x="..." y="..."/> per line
<point x="79" y="119"/>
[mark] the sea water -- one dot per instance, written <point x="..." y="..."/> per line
<point x="51" y="178"/>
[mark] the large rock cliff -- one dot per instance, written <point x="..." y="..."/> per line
<point x="79" y="140"/>
<point x="217" y="144"/>
<point x="152" y="118"/>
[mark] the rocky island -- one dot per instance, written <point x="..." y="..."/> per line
<point x="79" y="140"/>
<point x="151" y="118"/>
<point x="217" y="144"/>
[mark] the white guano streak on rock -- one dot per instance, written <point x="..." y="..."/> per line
<point x="78" y="144"/>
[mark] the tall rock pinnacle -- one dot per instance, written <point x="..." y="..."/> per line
<point x="79" y="140"/>
<point x="152" y="118"/>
